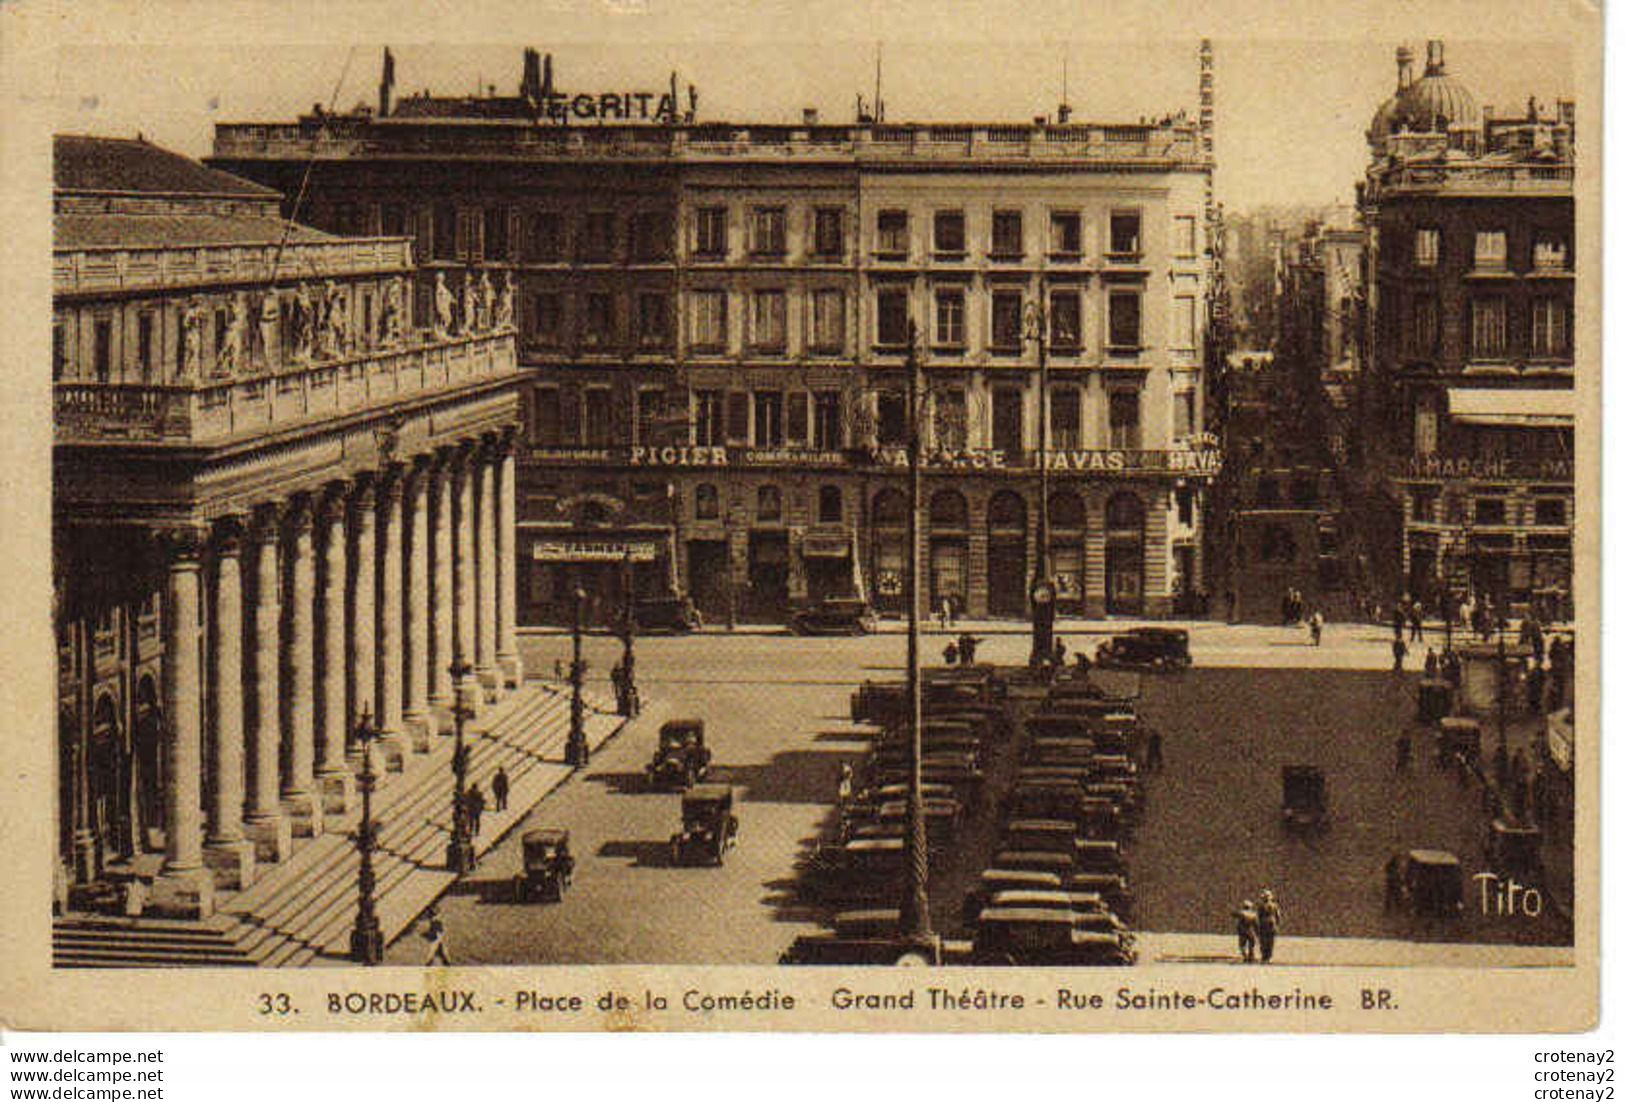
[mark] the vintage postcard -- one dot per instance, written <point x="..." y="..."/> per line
<point x="649" y="516"/>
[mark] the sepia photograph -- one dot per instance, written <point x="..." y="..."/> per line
<point x="1116" y="513"/>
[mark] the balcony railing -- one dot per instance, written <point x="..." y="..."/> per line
<point x="218" y="410"/>
<point x="119" y="268"/>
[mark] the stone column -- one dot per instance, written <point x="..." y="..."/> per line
<point x="300" y="795"/>
<point x="363" y="664"/>
<point x="332" y="686"/>
<point x="485" y="641"/>
<point x="228" y="852"/>
<point x="513" y="669"/>
<point x="184" y="886"/>
<point x="387" y="671"/>
<point x="462" y="650"/>
<point x="442" y="597"/>
<point x="419" y="724"/>
<point x="265" y="824"/>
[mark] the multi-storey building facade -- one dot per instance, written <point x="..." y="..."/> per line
<point x="1469" y="221"/>
<point x="716" y="317"/>
<point x="280" y="504"/>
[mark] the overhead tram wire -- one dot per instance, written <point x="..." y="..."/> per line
<point x="310" y="165"/>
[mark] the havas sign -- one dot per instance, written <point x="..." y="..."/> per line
<point x="1194" y="461"/>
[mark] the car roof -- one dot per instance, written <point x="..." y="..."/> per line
<point x="1045" y="915"/>
<point x="1056" y="825"/>
<point x="546" y="837"/>
<point x="1035" y="876"/>
<point x="708" y="793"/>
<point x="1433" y="857"/>
<point x="677" y="724"/>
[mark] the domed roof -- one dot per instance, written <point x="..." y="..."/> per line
<point x="1438" y="101"/>
<point x="1382" y="123"/>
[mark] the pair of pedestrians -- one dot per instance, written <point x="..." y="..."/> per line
<point x="1257" y="926"/>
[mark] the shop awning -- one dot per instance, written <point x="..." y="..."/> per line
<point x="1527" y="408"/>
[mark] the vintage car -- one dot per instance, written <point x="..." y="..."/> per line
<point x="710" y="826"/>
<point x="1459" y="737"/>
<point x="1038" y="935"/>
<point x="1061" y="751"/>
<point x="1513" y="850"/>
<point x="1112" y="887"/>
<point x="1158" y="649"/>
<point x="682" y="758"/>
<point x="1058" y="864"/>
<point x="993" y="881"/>
<point x="890" y="820"/>
<point x="1433" y="700"/>
<point x="656" y="615"/>
<point x="1077" y="902"/>
<point x="1303" y="797"/>
<point x="859" y="870"/>
<point x="1046" y="799"/>
<point x="1429" y="882"/>
<point x="548" y="866"/>
<point x="835" y="616"/>
<point x="833" y="949"/>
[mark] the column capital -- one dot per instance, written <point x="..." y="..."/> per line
<point x="228" y="534"/>
<point x="363" y="493"/>
<point x="391" y="484"/>
<point x="334" y="502"/>
<point x="184" y="543"/>
<point x="300" y="514"/>
<point x="265" y="522"/>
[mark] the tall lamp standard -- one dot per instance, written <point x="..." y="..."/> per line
<point x="629" y="625"/>
<point x="576" y="751"/>
<point x="914" y="917"/>
<point x="367" y="938"/>
<point x="460" y="850"/>
<point x="1035" y="326"/>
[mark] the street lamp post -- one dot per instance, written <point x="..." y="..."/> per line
<point x="1042" y="592"/>
<point x="367" y="938"/>
<point x="914" y="918"/>
<point x="576" y="751"/>
<point x="460" y="850"/>
<point x="629" y="624"/>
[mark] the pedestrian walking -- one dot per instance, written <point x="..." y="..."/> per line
<point x="1535" y="686"/>
<point x="967" y="649"/>
<point x="1286" y="607"/>
<point x="843" y="790"/>
<point x="1402" y="752"/>
<point x="1246" y="930"/>
<point x="1430" y="664"/>
<point x="942" y="615"/>
<point x="950" y="654"/>
<point x="434" y="932"/>
<point x="948" y="608"/>
<point x="1230" y="605"/>
<point x="1399" y="654"/>
<point x="1416" y="621"/>
<point x="1153" y="751"/>
<point x="1060" y="652"/>
<point x="1269" y="924"/>
<point x="499" y="788"/>
<point x="476" y="808"/>
<point x="1316" y="623"/>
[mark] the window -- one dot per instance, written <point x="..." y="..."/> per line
<point x="708" y="418"/>
<point x="950" y="331"/>
<point x="767" y="231"/>
<point x="829" y="505"/>
<point x="1184" y="235"/>
<point x="710" y="320"/>
<point x="1065" y="233"/>
<point x="795" y="418"/>
<point x="769" y="419"/>
<point x="1184" y="414"/>
<point x="1065" y="320"/>
<point x="829" y="238"/>
<point x="1124" y="419"/>
<point x="1424" y="331"/>
<point x="1426" y="422"/>
<point x="1064" y="422"/>
<point x="711" y="231"/>
<point x="738" y="417"/>
<point x="598" y="418"/>
<point x="1184" y="322"/>
<point x="1007" y="236"/>
<point x="1124" y="309"/>
<point x="827" y="420"/>
<point x="470" y="231"/>
<point x="104" y="345"/>
<point x="445" y="232"/>
<point x="1427" y="248"/>
<point x="948" y="232"/>
<point x="1551" y="252"/>
<point x="392" y="220"/>
<point x="598" y="238"/>
<point x="829" y="320"/>
<point x="706" y="506"/>
<point x="600" y="328"/>
<point x="1488" y="318"/>
<point x="1551" y="511"/>
<point x="546" y="236"/>
<point x="1009" y="420"/>
<point x="1490" y="249"/>
<point x="1185" y="504"/>
<point x="654" y="319"/>
<point x="950" y="423"/>
<point x="222" y="322"/>
<point x="144" y="344"/>
<point x="547" y="318"/>
<point x="767" y="326"/>
<point x="651" y="408"/>
<point x="891" y="318"/>
<point x="1549" y="327"/>
<point x="496" y="233"/>
<point x="891" y="418"/>
<point x="1125" y="230"/>
<point x="1007" y="321"/>
<point x="1423" y="505"/>
<point x="769" y="503"/>
<point x="1489" y="510"/>
<point x="59" y="350"/>
<point x="651" y="235"/>
<point x="547" y="426"/>
<point x="891" y="233"/>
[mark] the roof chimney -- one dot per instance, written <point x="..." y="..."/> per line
<point x="1435" y="58"/>
<point x="1403" y="59"/>
<point x="386" y="83"/>
<point x="530" y="85"/>
<point x="809" y="116"/>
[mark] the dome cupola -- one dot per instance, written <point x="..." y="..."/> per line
<point x="1438" y="102"/>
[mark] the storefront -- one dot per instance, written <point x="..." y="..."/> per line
<point x="1007" y="555"/>
<point x="950" y="550"/>
<point x="1066" y="553"/>
<point x="1125" y="555"/>
<point x="609" y="568"/>
<point x="888" y="540"/>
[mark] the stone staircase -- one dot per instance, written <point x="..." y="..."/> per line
<point x="301" y="912"/>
